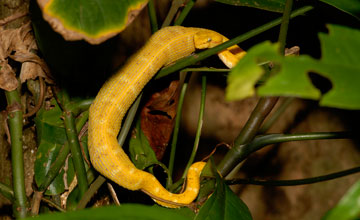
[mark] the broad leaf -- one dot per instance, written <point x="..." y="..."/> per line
<point x="51" y="137"/>
<point x="349" y="206"/>
<point x="340" y="63"/>
<point x="269" y="5"/>
<point x="141" y="153"/>
<point x="349" y="6"/>
<point x="126" y="211"/>
<point x="91" y="20"/>
<point x="223" y="204"/>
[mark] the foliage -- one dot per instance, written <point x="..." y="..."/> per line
<point x="127" y="211"/>
<point x="339" y="63"/>
<point x="96" y="21"/>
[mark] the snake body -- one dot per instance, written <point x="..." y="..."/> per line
<point x="117" y="94"/>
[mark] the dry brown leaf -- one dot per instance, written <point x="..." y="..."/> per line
<point x="22" y="42"/>
<point x="8" y="79"/>
<point x="158" y="118"/>
<point x="30" y="70"/>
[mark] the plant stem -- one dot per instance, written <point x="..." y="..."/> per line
<point x="60" y="159"/>
<point x="273" y="118"/>
<point x="176" y="129"/>
<point x="199" y="126"/>
<point x="78" y="107"/>
<point x="90" y="192"/>
<point x="202" y="55"/>
<point x="184" y="12"/>
<point x="7" y="192"/>
<point x="15" y="117"/>
<point x="295" y="182"/>
<point x="284" y="25"/>
<point x="246" y="135"/>
<point x="175" y="5"/>
<point x="265" y="140"/>
<point x="128" y="121"/>
<point x="205" y="69"/>
<point x="152" y="16"/>
<point x="77" y="158"/>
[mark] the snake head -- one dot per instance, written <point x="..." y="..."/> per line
<point x="207" y="39"/>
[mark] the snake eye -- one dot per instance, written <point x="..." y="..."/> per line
<point x="209" y="39"/>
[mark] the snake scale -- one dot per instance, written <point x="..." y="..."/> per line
<point x="116" y="96"/>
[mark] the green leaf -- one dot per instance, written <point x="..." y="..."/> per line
<point x="126" y="211"/>
<point x="349" y="206"/>
<point x="269" y="5"/>
<point x="51" y="137"/>
<point x="340" y="63"/>
<point x="223" y="204"/>
<point x="141" y="153"/>
<point x="91" y="20"/>
<point x="351" y="7"/>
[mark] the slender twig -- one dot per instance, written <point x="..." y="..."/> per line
<point x="35" y="203"/>
<point x="78" y="107"/>
<point x="152" y="16"/>
<point x="90" y="192"/>
<point x="265" y="140"/>
<point x="199" y="125"/>
<point x="273" y="117"/>
<point x="184" y="84"/>
<point x="60" y="159"/>
<point x="205" y="69"/>
<point x="258" y="115"/>
<point x="15" y="117"/>
<point x="296" y="181"/>
<point x="7" y="192"/>
<point x="128" y="121"/>
<point x="284" y="25"/>
<point x="69" y="122"/>
<point x="40" y="99"/>
<point x="113" y="194"/>
<point x="53" y="204"/>
<point x="13" y="17"/>
<point x="190" y="60"/>
<point x="175" y="5"/>
<point x="184" y="12"/>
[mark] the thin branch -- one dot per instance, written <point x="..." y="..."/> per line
<point x="284" y="25"/>
<point x="199" y="126"/>
<point x="90" y="192"/>
<point x="15" y="117"/>
<point x="296" y="181"/>
<point x="77" y="158"/>
<point x="128" y="121"/>
<point x="12" y="17"/>
<point x="184" y="84"/>
<point x="113" y="194"/>
<point x="265" y="140"/>
<point x="53" y="204"/>
<point x="190" y="60"/>
<point x="7" y="192"/>
<point x="152" y="16"/>
<point x="175" y="5"/>
<point x="273" y="117"/>
<point x="184" y="12"/>
<point x="60" y="159"/>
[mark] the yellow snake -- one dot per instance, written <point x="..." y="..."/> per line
<point x="117" y="94"/>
